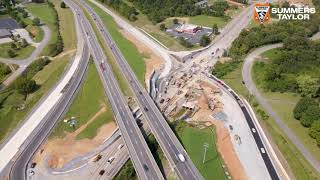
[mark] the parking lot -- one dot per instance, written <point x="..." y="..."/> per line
<point x="181" y="30"/>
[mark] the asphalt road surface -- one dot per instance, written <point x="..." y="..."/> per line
<point x="158" y="125"/>
<point x="249" y="83"/>
<point x="143" y="161"/>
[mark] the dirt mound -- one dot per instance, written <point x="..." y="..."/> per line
<point x="60" y="151"/>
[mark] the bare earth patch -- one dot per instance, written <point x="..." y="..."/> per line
<point x="61" y="151"/>
<point x="153" y="61"/>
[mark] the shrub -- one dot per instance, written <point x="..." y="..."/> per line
<point x="302" y="105"/>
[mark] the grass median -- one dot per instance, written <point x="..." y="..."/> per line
<point x="90" y="104"/>
<point x="193" y="140"/>
<point x="115" y="68"/>
<point x="128" y="49"/>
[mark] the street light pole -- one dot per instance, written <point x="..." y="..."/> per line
<point x="205" y="145"/>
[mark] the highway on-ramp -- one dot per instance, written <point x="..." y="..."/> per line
<point x="142" y="159"/>
<point x="167" y="140"/>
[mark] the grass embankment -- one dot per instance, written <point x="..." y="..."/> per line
<point x="193" y="140"/>
<point x="10" y="99"/>
<point x="5" y="71"/>
<point x="47" y="16"/>
<point x="21" y="53"/>
<point x="36" y="31"/>
<point x="128" y="49"/>
<point x="89" y="101"/>
<point x="116" y="70"/>
<point x="67" y="26"/>
<point x="46" y="78"/>
<point x="283" y="104"/>
<point x="298" y="165"/>
<point x="208" y="21"/>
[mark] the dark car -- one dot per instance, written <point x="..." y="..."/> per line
<point x="145" y="167"/>
<point x="140" y="92"/>
<point x="146" y="109"/>
<point x="33" y="165"/>
<point x="101" y="172"/>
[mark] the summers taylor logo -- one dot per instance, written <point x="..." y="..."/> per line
<point x="262" y="13"/>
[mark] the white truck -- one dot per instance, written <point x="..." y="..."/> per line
<point x="181" y="157"/>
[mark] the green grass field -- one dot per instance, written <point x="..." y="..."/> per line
<point x="300" y="168"/>
<point x="21" y="53"/>
<point x="193" y="140"/>
<point x="85" y="106"/>
<point x="208" y="21"/>
<point x="36" y="31"/>
<point x="45" y="13"/>
<point x="129" y="50"/>
<point x="10" y="99"/>
<point x="67" y="26"/>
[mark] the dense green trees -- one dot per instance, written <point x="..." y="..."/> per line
<point x="36" y="21"/>
<point x="221" y="69"/>
<point x="56" y="47"/>
<point x="4" y="70"/>
<point x="275" y="33"/>
<point x="205" y="40"/>
<point x="162" y="27"/>
<point x="123" y="8"/>
<point x="158" y="10"/>
<point x="25" y="86"/>
<point x="302" y="106"/>
<point x="215" y="29"/>
<point x="184" y="42"/>
<point x="63" y="5"/>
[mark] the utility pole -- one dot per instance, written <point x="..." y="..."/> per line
<point x="206" y="146"/>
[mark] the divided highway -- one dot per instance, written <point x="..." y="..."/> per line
<point x="139" y="152"/>
<point x="158" y="125"/>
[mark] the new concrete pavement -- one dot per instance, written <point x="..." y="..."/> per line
<point x="158" y="125"/>
<point x="139" y="152"/>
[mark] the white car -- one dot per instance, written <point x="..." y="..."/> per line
<point x="120" y="146"/>
<point x="262" y="150"/>
<point x="181" y="157"/>
<point x="110" y="160"/>
<point x="253" y="130"/>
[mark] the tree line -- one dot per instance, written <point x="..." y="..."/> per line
<point x="158" y="10"/>
<point x="273" y="33"/>
<point x="123" y="8"/>
<point x="56" y="47"/>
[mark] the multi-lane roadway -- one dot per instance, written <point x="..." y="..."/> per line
<point x="143" y="161"/>
<point x="167" y="140"/>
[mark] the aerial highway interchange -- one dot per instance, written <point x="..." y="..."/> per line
<point x="18" y="150"/>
